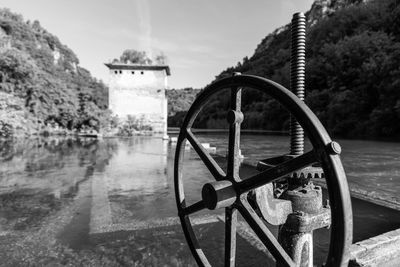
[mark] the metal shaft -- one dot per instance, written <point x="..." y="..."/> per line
<point x="299" y="245"/>
<point x="297" y="78"/>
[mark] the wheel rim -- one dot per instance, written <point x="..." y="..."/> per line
<point x="339" y="196"/>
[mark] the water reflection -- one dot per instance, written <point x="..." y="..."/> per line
<point x="48" y="193"/>
<point x="140" y="167"/>
<point x="38" y="176"/>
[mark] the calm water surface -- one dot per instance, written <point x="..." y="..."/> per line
<point x="369" y="165"/>
<point x="67" y="201"/>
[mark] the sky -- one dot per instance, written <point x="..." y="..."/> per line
<point x="199" y="37"/>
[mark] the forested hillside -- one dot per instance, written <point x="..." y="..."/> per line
<point x="41" y="82"/>
<point x="352" y="75"/>
<point x="179" y="101"/>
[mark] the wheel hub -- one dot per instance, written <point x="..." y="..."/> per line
<point x="218" y="195"/>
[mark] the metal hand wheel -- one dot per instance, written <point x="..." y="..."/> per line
<point x="229" y="191"/>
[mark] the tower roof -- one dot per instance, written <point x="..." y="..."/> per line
<point x="125" y="66"/>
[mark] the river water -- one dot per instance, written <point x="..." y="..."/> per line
<point x="111" y="202"/>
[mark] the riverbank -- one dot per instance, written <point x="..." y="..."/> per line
<point x="118" y="132"/>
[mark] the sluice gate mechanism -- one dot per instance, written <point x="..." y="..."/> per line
<point x="282" y="193"/>
<point x="230" y="192"/>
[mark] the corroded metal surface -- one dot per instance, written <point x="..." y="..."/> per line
<point x="301" y="222"/>
<point x="296" y="233"/>
<point x="307" y="198"/>
<point x="274" y="210"/>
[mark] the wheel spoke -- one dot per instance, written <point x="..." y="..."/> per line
<point x="194" y="245"/>
<point x="234" y="136"/>
<point x="198" y="206"/>
<point x="212" y="166"/>
<point x="230" y="236"/>
<point x="279" y="171"/>
<point x="263" y="233"/>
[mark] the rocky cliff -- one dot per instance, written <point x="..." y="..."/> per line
<point x="320" y="9"/>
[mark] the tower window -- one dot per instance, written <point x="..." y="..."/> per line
<point x="115" y="71"/>
<point x="120" y="72"/>
<point x="133" y="72"/>
<point x="142" y="72"/>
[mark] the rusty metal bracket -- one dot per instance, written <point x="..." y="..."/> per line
<point x="271" y="208"/>
<point x="274" y="210"/>
<point x="301" y="222"/>
<point x="306" y="198"/>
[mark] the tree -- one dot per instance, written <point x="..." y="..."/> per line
<point x="161" y="59"/>
<point x="134" y="56"/>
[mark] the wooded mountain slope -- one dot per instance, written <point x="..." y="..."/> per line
<point x="352" y="71"/>
<point x="179" y="101"/>
<point x="41" y="81"/>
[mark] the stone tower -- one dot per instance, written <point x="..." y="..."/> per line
<point x="139" y="91"/>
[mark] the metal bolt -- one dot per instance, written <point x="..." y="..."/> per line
<point x="327" y="205"/>
<point x="300" y="213"/>
<point x="334" y="148"/>
<point x="235" y="117"/>
<point x="297" y="78"/>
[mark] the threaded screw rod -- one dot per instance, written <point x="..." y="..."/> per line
<point x="297" y="77"/>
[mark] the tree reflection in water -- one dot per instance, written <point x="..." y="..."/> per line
<point x="38" y="177"/>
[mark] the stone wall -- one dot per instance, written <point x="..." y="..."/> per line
<point x="139" y="93"/>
